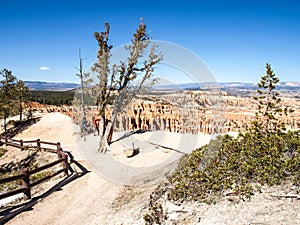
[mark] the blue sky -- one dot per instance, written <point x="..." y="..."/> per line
<point x="40" y="39"/>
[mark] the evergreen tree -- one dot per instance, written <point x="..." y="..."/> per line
<point x="21" y="93"/>
<point x="7" y="94"/>
<point x="269" y="108"/>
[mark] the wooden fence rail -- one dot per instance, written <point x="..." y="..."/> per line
<point x="25" y="174"/>
<point x="40" y="145"/>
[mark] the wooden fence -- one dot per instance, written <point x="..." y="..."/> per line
<point x="25" y="174"/>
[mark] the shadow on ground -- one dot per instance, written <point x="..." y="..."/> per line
<point x="19" y="127"/>
<point x="130" y="133"/>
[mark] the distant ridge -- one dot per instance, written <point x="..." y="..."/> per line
<point x="50" y="86"/>
<point x="64" y="86"/>
<point x="225" y="86"/>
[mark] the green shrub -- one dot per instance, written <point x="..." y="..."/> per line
<point x="10" y="185"/>
<point x="239" y="164"/>
<point x="40" y="175"/>
<point x="2" y="152"/>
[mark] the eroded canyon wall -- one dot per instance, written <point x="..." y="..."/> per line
<point x="185" y="112"/>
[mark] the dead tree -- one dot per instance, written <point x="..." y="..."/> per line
<point x="125" y="80"/>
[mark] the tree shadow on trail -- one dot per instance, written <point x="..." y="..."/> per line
<point x="19" y="127"/>
<point x="128" y="134"/>
<point x="11" y="211"/>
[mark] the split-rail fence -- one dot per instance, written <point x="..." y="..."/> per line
<point x="24" y="174"/>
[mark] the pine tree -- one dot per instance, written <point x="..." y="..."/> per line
<point x="269" y="105"/>
<point x="7" y="94"/>
<point x="21" y="93"/>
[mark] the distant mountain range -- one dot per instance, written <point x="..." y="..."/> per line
<point x="230" y="87"/>
<point x="63" y="86"/>
<point x="50" y="86"/>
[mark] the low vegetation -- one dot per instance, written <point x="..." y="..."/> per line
<point x="264" y="155"/>
<point x="241" y="165"/>
<point x="2" y="152"/>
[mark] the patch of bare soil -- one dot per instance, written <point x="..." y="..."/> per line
<point x="15" y="157"/>
<point x="130" y="204"/>
<point x="275" y="205"/>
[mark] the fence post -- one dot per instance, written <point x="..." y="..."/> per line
<point x="58" y="150"/>
<point x="26" y="183"/>
<point x="38" y="144"/>
<point x="65" y="163"/>
<point x="21" y="144"/>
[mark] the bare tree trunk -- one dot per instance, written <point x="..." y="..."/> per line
<point x="101" y="127"/>
<point x="82" y="86"/>
<point x="104" y="143"/>
<point x="20" y="108"/>
<point x="107" y="137"/>
<point x="5" y="117"/>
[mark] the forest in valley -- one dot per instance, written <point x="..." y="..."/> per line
<point x="52" y="97"/>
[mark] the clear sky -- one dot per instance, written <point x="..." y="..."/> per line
<point x="39" y="39"/>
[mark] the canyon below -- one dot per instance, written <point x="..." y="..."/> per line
<point x="187" y="111"/>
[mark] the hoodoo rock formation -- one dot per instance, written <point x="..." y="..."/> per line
<point x="184" y="112"/>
